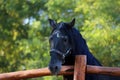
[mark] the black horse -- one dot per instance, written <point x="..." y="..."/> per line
<point x="65" y="43"/>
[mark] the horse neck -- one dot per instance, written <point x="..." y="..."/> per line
<point x="78" y="43"/>
<point x="81" y="48"/>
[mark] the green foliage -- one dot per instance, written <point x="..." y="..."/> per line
<point x="24" y="30"/>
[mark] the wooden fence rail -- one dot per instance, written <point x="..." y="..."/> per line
<point x="79" y="69"/>
<point x="33" y="73"/>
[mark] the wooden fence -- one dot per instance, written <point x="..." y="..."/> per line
<point x="80" y="69"/>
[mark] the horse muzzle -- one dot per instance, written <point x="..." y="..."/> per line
<point x="55" y="69"/>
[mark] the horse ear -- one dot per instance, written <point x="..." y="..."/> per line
<point x="72" y="23"/>
<point x="52" y="23"/>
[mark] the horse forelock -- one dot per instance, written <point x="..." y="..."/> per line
<point x="60" y="27"/>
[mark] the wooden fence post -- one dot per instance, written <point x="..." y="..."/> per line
<point x="80" y="67"/>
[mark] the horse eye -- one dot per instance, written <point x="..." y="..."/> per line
<point x="51" y="38"/>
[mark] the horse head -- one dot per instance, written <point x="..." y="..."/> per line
<point x="60" y="44"/>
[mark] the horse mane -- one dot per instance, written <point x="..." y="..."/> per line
<point x="80" y="47"/>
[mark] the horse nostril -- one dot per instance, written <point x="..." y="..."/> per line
<point x="56" y="67"/>
<point x="53" y="68"/>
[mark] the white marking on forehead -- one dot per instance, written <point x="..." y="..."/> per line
<point x="58" y="35"/>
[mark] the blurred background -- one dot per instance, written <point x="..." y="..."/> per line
<point x="24" y="31"/>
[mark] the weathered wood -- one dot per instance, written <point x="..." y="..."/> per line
<point x="80" y="67"/>
<point x="33" y="73"/>
<point x="112" y="71"/>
